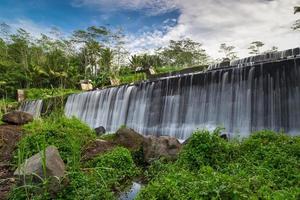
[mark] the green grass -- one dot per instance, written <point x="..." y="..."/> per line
<point x="131" y="78"/>
<point x="264" y="166"/>
<point x="96" y="179"/>
<point x="68" y="135"/>
<point x="44" y="93"/>
<point x="167" y="69"/>
<point x="101" y="176"/>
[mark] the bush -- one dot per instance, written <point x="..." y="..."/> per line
<point x="205" y="148"/>
<point x="131" y="78"/>
<point x="44" y="93"/>
<point x="69" y="135"/>
<point x="115" y="165"/>
<point x="95" y="179"/>
<point x="263" y="166"/>
<point x="102" y="174"/>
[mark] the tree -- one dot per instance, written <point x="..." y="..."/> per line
<point x="296" y="25"/>
<point x="255" y="47"/>
<point x="93" y="52"/>
<point x="145" y="61"/>
<point x="90" y="39"/>
<point x="120" y="52"/>
<point x="5" y="31"/>
<point x="106" y="59"/>
<point x="135" y="61"/>
<point x="228" y="51"/>
<point x="20" y="51"/>
<point x="184" y="52"/>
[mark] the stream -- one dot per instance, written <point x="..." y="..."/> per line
<point x="132" y="192"/>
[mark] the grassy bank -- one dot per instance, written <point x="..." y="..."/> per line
<point x="44" y="93"/>
<point x="264" y="166"/>
<point x="98" y="178"/>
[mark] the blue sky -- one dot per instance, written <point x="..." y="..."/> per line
<point x="152" y="23"/>
<point x="68" y="16"/>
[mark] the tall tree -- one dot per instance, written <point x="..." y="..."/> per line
<point x="20" y="51"/>
<point x="118" y="45"/>
<point x="90" y="40"/>
<point x="228" y="51"/>
<point x="184" y="52"/>
<point x="106" y="59"/>
<point x="255" y="47"/>
<point x="296" y="25"/>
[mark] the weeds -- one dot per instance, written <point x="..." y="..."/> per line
<point x="68" y="135"/>
<point x="263" y="166"/>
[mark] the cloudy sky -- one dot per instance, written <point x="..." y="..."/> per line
<point x="152" y="23"/>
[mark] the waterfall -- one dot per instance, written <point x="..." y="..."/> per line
<point x="33" y="107"/>
<point x="241" y="98"/>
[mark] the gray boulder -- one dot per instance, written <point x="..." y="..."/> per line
<point x="17" y="117"/>
<point x="32" y="168"/>
<point x="100" y="130"/>
<point x="224" y="136"/>
<point x="128" y="138"/>
<point x="97" y="147"/>
<point x="164" y="146"/>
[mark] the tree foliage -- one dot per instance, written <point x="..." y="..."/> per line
<point x="228" y="51"/>
<point x="184" y="52"/>
<point x="296" y="25"/>
<point x="255" y="47"/>
<point x="96" y="53"/>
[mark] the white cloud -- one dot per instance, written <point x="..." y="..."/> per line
<point x="35" y="29"/>
<point x="238" y="22"/>
<point x="212" y="22"/>
<point x="153" y="7"/>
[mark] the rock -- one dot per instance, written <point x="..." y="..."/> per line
<point x="128" y="138"/>
<point x="224" y="136"/>
<point x="100" y="130"/>
<point x="185" y="142"/>
<point x="32" y="168"/>
<point x="164" y="146"/>
<point x="97" y="147"/>
<point x="17" y="117"/>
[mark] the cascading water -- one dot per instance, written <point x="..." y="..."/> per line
<point x="32" y="107"/>
<point x="264" y="95"/>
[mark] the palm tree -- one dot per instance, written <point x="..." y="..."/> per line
<point x="106" y="59"/>
<point x="135" y="62"/>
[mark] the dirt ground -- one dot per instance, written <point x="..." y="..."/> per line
<point x="9" y="136"/>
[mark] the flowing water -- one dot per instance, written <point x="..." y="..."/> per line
<point x="32" y="107"/>
<point x="132" y="192"/>
<point x="241" y="98"/>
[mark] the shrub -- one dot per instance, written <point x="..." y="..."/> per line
<point x="263" y="166"/>
<point x="115" y="165"/>
<point x="102" y="174"/>
<point x="95" y="179"/>
<point x="43" y="93"/>
<point x="69" y="135"/>
<point x="205" y="148"/>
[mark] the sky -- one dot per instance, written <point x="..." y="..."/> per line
<point x="150" y="24"/>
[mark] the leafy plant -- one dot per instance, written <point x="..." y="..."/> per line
<point x="38" y="93"/>
<point x="263" y="166"/>
<point x="100" y="175"/>
<point x="68" y="135"/>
